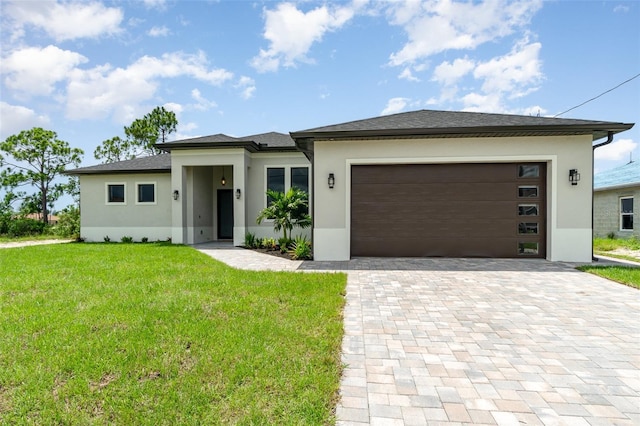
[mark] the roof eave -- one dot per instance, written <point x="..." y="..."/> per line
<point x="114" y="172"/>
<point x="597" y="131"/>
<point x="614" y="187"/>
<point x="169" y="146"/>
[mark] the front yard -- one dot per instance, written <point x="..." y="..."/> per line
<point x="162" y="334"/>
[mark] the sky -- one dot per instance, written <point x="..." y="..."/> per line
<point x="86" y="69"/>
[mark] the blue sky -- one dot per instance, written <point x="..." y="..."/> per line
<point x="86" y="69"/>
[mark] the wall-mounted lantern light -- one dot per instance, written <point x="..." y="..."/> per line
<point x="332" y="180"/>
<point x="238" y="193"/>
<point x="223" y="181"/>
<point x="574" y="176"/>
<point x="176" y="194"/>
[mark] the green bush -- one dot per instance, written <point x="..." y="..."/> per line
<point x="284" y="244"/>
<point x="301" y="248"/>
<point x="68" y="223"/>
<point x="22" y="227"/>
<point x="126" y="239"/>
<point x="250" y="240"/>
<point x="269" y="244"/>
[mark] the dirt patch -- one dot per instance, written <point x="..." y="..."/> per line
<point x="626" y="252"/>
<point x="13" y="244"/>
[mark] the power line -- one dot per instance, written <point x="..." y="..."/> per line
<point x="596" y="97"/>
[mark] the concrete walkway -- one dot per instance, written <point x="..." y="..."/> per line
<point x="455" y="341"/>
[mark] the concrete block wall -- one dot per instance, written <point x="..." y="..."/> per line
<point x="606" y="212"/>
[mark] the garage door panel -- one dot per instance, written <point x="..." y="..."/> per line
<point x="447" y="210"/>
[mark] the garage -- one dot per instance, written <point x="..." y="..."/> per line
<point x="449" y="210"/>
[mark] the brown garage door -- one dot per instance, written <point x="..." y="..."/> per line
<point x="452" y="210"/>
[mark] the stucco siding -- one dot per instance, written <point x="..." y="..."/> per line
<point x="100" y="219"/>
<point x="568" y="207"/>
<point x="606" y="208"/>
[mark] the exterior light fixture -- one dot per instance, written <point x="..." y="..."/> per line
<point x="238" y="193"/>
<point x="223" y="181"/>
<point x="574" y="176"/>
<point x="332" y="180"/>
<point x="176" y="194"/>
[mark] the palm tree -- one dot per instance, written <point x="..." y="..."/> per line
<point x="286" y="209"/>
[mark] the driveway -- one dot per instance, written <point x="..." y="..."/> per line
<point x="508" y="342"/>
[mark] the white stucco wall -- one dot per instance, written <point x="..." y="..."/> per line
<point x="569" y="232"/>
<point x="196" y="175"/>
<point x="100" y="219"/>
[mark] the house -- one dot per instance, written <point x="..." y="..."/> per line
<point x="420" y="183"/>
<point x="613" y="201"/>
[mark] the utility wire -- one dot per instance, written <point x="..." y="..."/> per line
<point x="596" y="97"/>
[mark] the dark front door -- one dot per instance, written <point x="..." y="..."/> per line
<point x="225" y="214"/>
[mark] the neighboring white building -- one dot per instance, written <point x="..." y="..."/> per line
<point x="422" y="183"/>
<point x="614" y="201"/>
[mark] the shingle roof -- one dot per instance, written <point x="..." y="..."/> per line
<point x="439" y="123"/>
<point x="627" y="175"/>
<point x="156" y="163"/>
<point x="253" y="143"/>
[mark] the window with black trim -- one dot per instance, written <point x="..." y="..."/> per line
<point x="626" y="213"/>
<point x="146" y="193"/>
<point x="275" y="181"/>
<point x="300" y="178"/>
<point x="116" y="193"/>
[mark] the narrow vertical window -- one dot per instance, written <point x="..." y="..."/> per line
<point x="275" y="180"/>
<point x="626" y="214"/>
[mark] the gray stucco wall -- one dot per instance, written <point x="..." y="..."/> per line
<point x="606" y="212"/>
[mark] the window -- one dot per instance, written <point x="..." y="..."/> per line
<point x="283" y="178"/>
<point x="300" y="178"/>
<point x="528" y="228"/>
<point x="626" y="213"/>
<point x="116" y="193"/>
<point x="275" y="181"/>
<point x="146" y="193"/>
<point x="528" y="191"/>
<point x="528" y="248"/>
<point x="527" y="210"/>
<point x="528" y="171"/>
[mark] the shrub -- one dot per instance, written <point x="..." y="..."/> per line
<point x="144" y="239"/>
<point x="611" y="235"/>
<point x="284" y="244"/>
<point x="301" y="248"/>
<point x="69" y="223"/>
<point x="269" y="244"/>
<point x="106" y="239"/>
<point x="126" y="239"/>
<point x="250" y="240"/>
<point x="21" y="227"/>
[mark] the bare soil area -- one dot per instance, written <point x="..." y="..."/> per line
<point x="13" y="244"/>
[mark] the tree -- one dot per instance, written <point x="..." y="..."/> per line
<point x="141" y="136"/>
<point x="287" y="209"/>
<point x="36" y="158"/>
<point x="114" y="149"/>
<point x="151" y="129"/>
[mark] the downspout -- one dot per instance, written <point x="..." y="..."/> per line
<point x="593" y="188"/>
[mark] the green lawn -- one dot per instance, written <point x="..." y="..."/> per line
<point x="623" y="274"/>
<point x="161" y="334"/>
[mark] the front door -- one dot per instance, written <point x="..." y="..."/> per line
<point x="225" y="214"/>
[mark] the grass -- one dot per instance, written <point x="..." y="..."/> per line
<point x="623" y="274"/>
<point x="610" y="244"/>
<point x="161" y="334"/>
<point x="7" y="239"/>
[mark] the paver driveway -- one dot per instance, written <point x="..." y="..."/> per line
<point x="508" y="342"/>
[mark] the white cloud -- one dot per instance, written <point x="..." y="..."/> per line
<point x="202" y="104"/>
<point x="476" y="102"/>
<point x="103" y="90"/>
<point x="448" y="73"/>
<point x="159" y="31"/>
<point x="291" y="33"/>
<point x="174" y="107"/>
<point x="158" y="4"/>
<point x="621" y="8"/>
<point x="437" y="26"/>
<point x="395" y="105"/>
<point x="63" y="21"/>
<point x="617" y="150"/>
<point x="15" y="118"/>
<point x="35" y="71"/>
<point x="247" y="87"/>
<point x="517" y="73"/>
<point x="406" y="74"/>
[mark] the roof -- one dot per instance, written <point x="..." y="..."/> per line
<point x="271" y="141"/>
<point x="619" y="177"/>
<point x="430" y="123"/>
<point x="153" y="164"/>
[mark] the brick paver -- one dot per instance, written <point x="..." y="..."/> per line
<point x="506" y="342"/>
